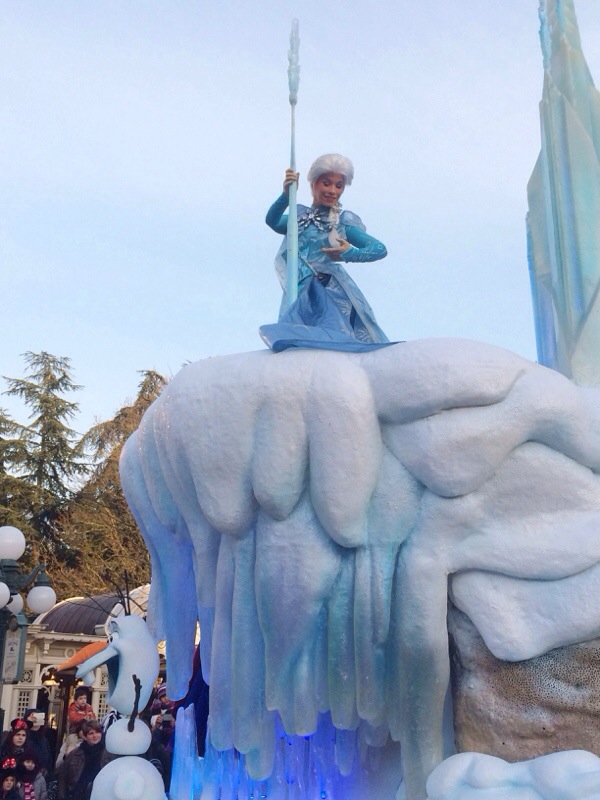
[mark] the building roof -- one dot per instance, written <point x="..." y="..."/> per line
<point x="84" y="614"/>
<point x="79" y="614"/>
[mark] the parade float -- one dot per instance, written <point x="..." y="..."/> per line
<point x="392" y="550"/>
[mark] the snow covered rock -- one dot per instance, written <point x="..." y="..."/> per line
<point x="319" y="506"/>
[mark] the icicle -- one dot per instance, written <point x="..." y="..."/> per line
<point x="345" y="743"/>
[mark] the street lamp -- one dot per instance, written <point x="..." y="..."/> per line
<point x="13" y="622"/>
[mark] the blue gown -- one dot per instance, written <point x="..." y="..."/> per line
<point x="331" y="312"/>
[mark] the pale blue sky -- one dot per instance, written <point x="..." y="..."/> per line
<point x="143" y="141"/>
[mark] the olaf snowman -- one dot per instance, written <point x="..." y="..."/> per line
<point x="131" y="659"/>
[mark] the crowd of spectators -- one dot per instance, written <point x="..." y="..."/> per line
<point x="26" y="760"/>
<point x="29" y="769"/>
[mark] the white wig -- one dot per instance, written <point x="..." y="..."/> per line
<point x="331" y="162"/>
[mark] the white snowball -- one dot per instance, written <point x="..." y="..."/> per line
<point x="128" y="778"/>
<point x="129" y="785"/>
<point x="122" y="742"/>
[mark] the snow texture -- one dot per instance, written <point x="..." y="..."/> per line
<point x="128" y="778"/>
<point x="570" y="775"/>
<point x="315" y="505"/>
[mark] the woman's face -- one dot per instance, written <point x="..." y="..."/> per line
<point x="93" y="736"/>
<point x="18" y="738"/>
<point x="328" y="189"/>
<point x="29" y="764"/>
<point x="8" y="783"/>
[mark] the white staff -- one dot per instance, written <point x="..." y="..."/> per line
<point x="292" y="225"/>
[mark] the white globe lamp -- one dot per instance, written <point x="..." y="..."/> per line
<point x="41" y="599"/>
<point x="4" y="594"/>
<point x="15" y="604"/>
<point x="12" y="542"/>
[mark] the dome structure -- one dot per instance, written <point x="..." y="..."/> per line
<point x="56" y="636"/>
<point x="85" y="615"/>
<point x="78" y="614"/>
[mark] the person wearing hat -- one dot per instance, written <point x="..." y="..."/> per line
<point x="8" y="780"/>
<point x="13" y="744"/>
<point x="32" y="784"/>
<point x="38" y="741"/>
<point x="162" y="704"/>
<point x="330" y="309"/>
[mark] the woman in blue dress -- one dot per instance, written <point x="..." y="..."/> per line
<point x="331" y="312"/>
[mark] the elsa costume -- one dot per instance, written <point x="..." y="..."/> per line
<point x="331" y="312"/>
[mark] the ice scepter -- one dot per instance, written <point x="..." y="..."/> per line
<point x="292" y="225"/>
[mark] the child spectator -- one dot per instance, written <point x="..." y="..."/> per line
<point x="32" y="784"/>
<point x="79" y="710"/>
<point x="37" y="740"/>
<point x="8" y="789"/>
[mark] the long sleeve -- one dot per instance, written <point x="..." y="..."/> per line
<point x="61" y="789"/>
<point x="76" y="714"/>
<point x="275" y="218"/>
<point x="40" y="788"/>
<point x="364" y="247"/>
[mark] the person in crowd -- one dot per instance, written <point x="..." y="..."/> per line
<point x="159" y="753"/>
<point x="79" y="710"/>
<point x="163" y="730"/>
<point x="81" y="766"/>
<point x="163" y="704"/>
<point x="72" y="740"/>
<point x="32" y="784"/>
<point x="38" y="741"/>
<point x="13" y="744"/>
<point x="8" y="780"/>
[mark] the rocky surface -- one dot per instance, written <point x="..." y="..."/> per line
<point x="524" y="709"/>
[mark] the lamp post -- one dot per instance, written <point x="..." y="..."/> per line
<point x="13" y="622"/>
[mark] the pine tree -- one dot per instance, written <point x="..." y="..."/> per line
<point x="64" y="494"/>
<point x="15" y="494"/>
<point x="48" y="459"/>
<point x="98" y="526"/>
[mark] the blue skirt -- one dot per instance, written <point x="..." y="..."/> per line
<point x="324" y="318"/>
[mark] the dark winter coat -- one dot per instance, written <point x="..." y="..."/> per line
<point x="72" y="768"/>
<point x="12" y="794"/>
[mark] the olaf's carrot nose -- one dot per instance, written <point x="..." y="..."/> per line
<point x="82" y="655"/>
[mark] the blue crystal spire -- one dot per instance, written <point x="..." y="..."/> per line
<point x="563" y="223"/>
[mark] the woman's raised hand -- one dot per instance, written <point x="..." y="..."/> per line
<point x="290" y="177"/>
<point x="334" y="253"/>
